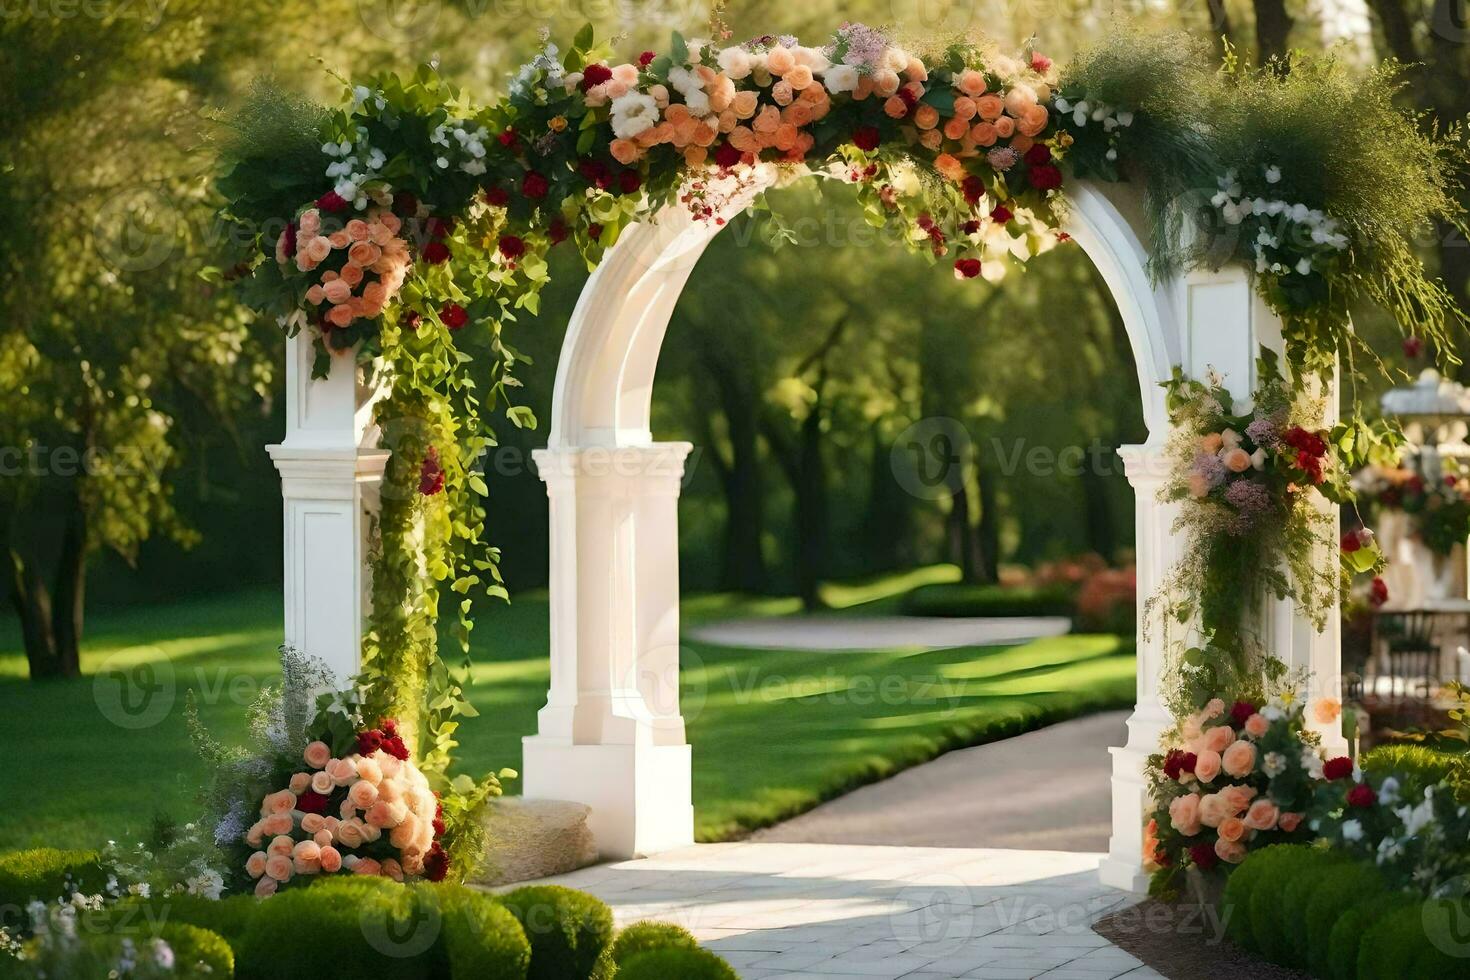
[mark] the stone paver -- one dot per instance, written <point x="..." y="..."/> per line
<point x="1049" y="789"/>
<point x="840" y="910"/>
<point x="835" y="633"/>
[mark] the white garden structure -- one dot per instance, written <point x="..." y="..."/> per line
<point x="611" y="734"/>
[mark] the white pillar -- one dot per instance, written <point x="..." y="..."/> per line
<point x="330" y="474"/>
<point x="611" y="734"/>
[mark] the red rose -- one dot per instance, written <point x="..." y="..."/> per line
<point x="970" y="227"/>
<point x="535" y="186"/>
<point x="435" y="253"/>
<point x="646" y="58"/>
<point x="290" y="244"/>
<point x="436" y="863"/>
<point x="925" y="220"/>
<point x="431" y="481"/>
<point x="369" y="742"/>
<point x="1046" y="177"/>
<point x="1001" y="214"/>
<point x="629" y="181"/>
<point x="1350" y="542"/>
<point x="909" y="98"/>
<point x="726" y="156"/>
<point x="1177" y="763"/>
<point x="558" y="231"/>
<point x="311" y="802"/>
<point x="512" y="247"/>
<point x="594" y="231"/>
<point x="438" y="228"/>
<point x="1307" y="442"/>
<point x="1204" y="856"/>
<point x="1240" y="711"/>
<point x="1413" y="347"/>
<point x="1039" y="154"/>
<point x="389" y="726"/>
<point x="507" y="136"/>
<point x="1378" y="591"/>
<point x="1361" y="795"/>
<point x="966" y="268"/>
<point x="1040" y="63"/>
<point x="405" y="205"/>
<point x="497" y="197"/>
<point x="438" y="826"/>
<point x="866" y="138"/>
<point x="454" y="315"/>
<point x="973" y="188"/>
<point x="1339" y="768"/>
<point x="332" y="202"/>
<point x="594" y="75"/>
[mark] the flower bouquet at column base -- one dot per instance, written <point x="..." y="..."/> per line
<point x="356" y="808"/>
<point x="1231" y="778"/>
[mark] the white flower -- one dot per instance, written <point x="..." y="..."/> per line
<point x="1352" y="830"/>
<point x="633" y="114"/>
<point x="1274" y="764"/>
<point x="840" y="78"/>
<point x="1063" y="105"/>
<point x="1416" y="818"/>
<point x="1125" y="117"/>
<point x="1304" y="266"/>
<point x="812" y="58"/>
<point x="441" y="162"/>
<point x="735" y="62"/>
<point x="1258" y="461"/>
<point x="1273" y="175"/>
<point x="1230" y="438"/>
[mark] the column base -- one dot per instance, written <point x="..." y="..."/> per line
<point x="639" y="794"/>
<point x="1123" y="867"/>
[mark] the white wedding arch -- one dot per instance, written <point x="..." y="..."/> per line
<point x="611" y="734"/>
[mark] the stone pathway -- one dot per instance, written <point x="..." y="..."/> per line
<point x="819" y="632"/>
<point x="860" y="911"/>
<point x="1048" y="789"/>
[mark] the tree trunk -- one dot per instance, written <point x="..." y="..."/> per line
<point x="33" y="606"/>
<point x="989" y="521"/>
<point x="1219" y="26"/>
<point x="889" y="512"/>
<point x="70" y="593"/>
<point x="1102" y="534"/>
<point x="743" y="563"/>
<point x="811" y="511"/>
<point x="1273" y="29"/>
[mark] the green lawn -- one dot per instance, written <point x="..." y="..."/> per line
<point x="774" y="732"/>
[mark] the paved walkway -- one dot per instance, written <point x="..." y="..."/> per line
<point x="819" y="632"/>
<point x="832" y="911"/>
<point x="1047" y="790"/>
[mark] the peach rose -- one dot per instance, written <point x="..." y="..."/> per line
<point x="1257" y="725"/>
<point x="895" y="107"/>
<point x="368" y="768"/>
<point x="989" y="107"/>
<point x="364" y="253"/>
<point x="357" y="230"/>
<point x="744" y="104"/>
<point x="955" y="128"/>
<point x="625" y="73"/>
<point x="1199" y="485"/>
<point x="317" y="250"/>
<point x="338" y="239"/>
<point x="323" y="837"/>
<point x="623" y="151"/>
<point x="1237" y="797"/>
<point x="947" y="165"/>
<point x="389" y="221"/>
<point x="366" y="866"/>
<point x="783" y="93"/>
<point x="380" y="815"/>
<point x="885" y="82"/>
<point x="370" y="833"/>
<point x="1033" y="120"/>
<point x="964" y="108"/>
<point x="331" y="859"/>
<point x="321" y="782"/>
<point x="309" y="223"/>
<point x="1239" y="759"/>
<point x="349" y="834"/>
<point x="405" y="833"/>
<point x="266" y="887"/>
<point x="1212" y="809"/>
<point x="1215" y="708"/>
<point x="280" y="844"/>
<point x="931" y="139"/>
<point x="1184" y="814"/>
<point x="277" y="824"/>
<point x="1263" y="815"/>
<point x="1206" y="765"/>
<point x="984" y="134"/>
<point x="1218" y="738"/>
<point x="312" y="822"/>
<point x="1326" y="711"/>
<point x="1018" y="99"/>
<point x="768" y="120"/>
<point x="780" y="60"/>
<point x="1231" y="852"/>
<point x="915" y="70"/>
<point x="363" y="794"/>
<point x="317" y="754"/>
<point x="341" y="771"/>
<point x="798" y="78"/>
<point x="1289" y="821"/>
<point x="1211" y="444"/>
<point x="351" y="274"/>
<point x="307" y="856"/>
<point x="1232" y="829"/>
<point x="695" y="156"/>
<point x="280" y="867"/>
<point x="1237" y="460"/>
<point x="1021" y="143"/>
<point x="1005" y="126"/>
<point x="392" y="869"/>
<point x="255" y="864"/>
<point x="972" y="83"/>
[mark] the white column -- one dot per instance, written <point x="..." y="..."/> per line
<point x="611" y="734"/>
<point x="330" y="475"/>
<point x="1156" y="549"/>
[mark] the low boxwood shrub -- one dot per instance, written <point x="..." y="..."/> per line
<point x="44" y="874"/>
<point x="481" y="938"/>
<point x="1392" y="943"/>
<point x="229" y="917"/>
<point x="1444" y="953"/>
<point x="1419" y="766"/>
<point x="199" y="951"/>
<point x="1346" y="938"/>
<point x="1339" y="889"/>
<point x="641" y="937"/>
<point x="570" y="932"/>
<point x="671" y="963"/>
<point x="341" y="928"/>
<point x="1259" y="868"/>
<point x="961" y="599"/>
<point x="1295" y="900"/>
<point x="1267" y="909"/>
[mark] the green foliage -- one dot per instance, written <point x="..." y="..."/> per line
<point x="45" y="875"/>
<point x="1419" y="766"/>
<point x="1392" y="946"/>
<point x="642" y="937"/>
<point x="228" y="917"/>
<point x="686" y="964"/>
<point x="1291" y="923"/>
<point x="199" y="951"/>
<point x="481" y="938"/>
<point x="1338" y="890"/>
<point x="1261" y="872"/>
<point x="1349" y="934"/>
<point x="571" y="932"/>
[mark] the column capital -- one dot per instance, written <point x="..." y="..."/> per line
<point x="1146" y="464"/>
<point x="634" y="468"/>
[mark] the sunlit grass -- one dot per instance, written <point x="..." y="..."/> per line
<point x="774" y="731"/>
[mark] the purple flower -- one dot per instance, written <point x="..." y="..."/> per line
<point x="1002" y="157"/>
<point x="1248" y="497"/>
<point x="1209" y="466"/>
<point x="1264" y="431"/>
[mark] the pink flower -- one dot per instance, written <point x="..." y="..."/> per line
<point x="1213" y="808"/>
<point x="972" y="83"/>
<point x="323" y="837"/>
<point x="341" y="771"/>
<point x="1256" y="725"/>
<point x="1239" y="759"/>
<point x="255" y="864"/>
<point x="331" y="859"/>
<point x="266" y="887"/>
<point x="318" y="754"/>
<point x="1327" y="710"/>
<point x="1184" y="814"/>
<point x="281" y="802"/>
<point x="1232" y="829"/>
<point x="1263" y="815"/>
<point x="381" y="816"/>
<point x="368" y="769"/>
<point x="280" y="844"/>
<point x="1289" y="821"/>
<point x="321" y="783"/>
<point x="301" y="781"/>
<point x="1237" y="797"/>
<point x="392" y="869"/>
<point x="366" y="866"/>
<point x="363" y="794"/>
<point x="1218" y="739"/>
<point x="280" y="867"/>
<point x="1237" y="460"/>
<point x="1214" y="709"/>
<point x="312" y="822"/>
<point x="349" y="834"/>
<point x="1230" y="851"/>
<point x="1206" y="765"/>
<point x="277" y="824"/>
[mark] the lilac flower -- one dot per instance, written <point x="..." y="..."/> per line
<point x="1002" y="157"/>
<point x="1209" y="466"/>
<point x="865" y="46"/>
<point x="1248" y="497"/>
<point x="1264" y="431"/>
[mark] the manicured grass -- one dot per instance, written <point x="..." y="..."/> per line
<point x="774" y="732"/>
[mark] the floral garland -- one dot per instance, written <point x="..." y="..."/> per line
<point x="1440" y="508"/>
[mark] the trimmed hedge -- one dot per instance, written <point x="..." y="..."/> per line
<point x="571" y="932"/>
<point x="961" y="599"/>
<point x="44" y="874"/>
<point x="1246" y="900"/>
<point x="228" y="917"/>
<point x="671" y="963"/>
<point x="1346" y="940"/>
<point x="481" y="938"/>
<point x="1270" y="929"/>
<point x="1338" y="889"/>
<point x="199" y="950"/>
<point x="642" y="937"/>
<point x="1421" y="766"/>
